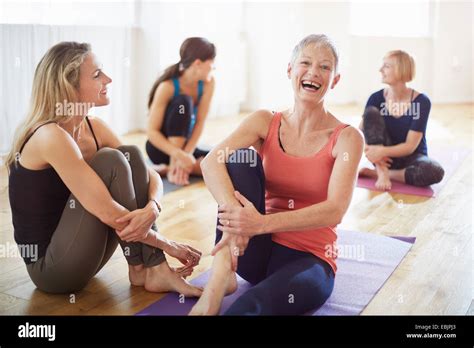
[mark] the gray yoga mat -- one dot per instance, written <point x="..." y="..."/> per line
<point x="365" y="263"/>
<point x="169" y="187"/>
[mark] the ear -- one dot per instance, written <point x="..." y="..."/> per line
<point x="335" y="80"/>
<point x="288" y="70"/>
<point x="197" y="63"/>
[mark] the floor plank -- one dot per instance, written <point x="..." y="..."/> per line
<point x="434" y="278"/>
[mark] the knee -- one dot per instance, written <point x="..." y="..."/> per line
<point x="131" y="152"/>
<point x="107" y="158"/>
<point x="244" y="162"/>
<point x="371" y="114"/>
<point x="107" y="154"/>
<point x="309" y="294"/>
<point x="436" y="172"/>
<point x="424" y="174"/>
<point x="250" y="303"/>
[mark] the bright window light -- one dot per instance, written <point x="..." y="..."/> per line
<point x="389" y="18"/>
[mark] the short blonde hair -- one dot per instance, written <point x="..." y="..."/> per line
<point x="405" y="65"/>
<point x="316" y="39"/>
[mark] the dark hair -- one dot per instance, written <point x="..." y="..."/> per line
<point x="191" y="49"/>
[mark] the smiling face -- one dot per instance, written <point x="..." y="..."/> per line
<point x="93" y="82"/>
<point x="388" y="71"/>
<point x="313" y="73"/>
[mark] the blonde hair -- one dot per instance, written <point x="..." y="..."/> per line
<point x="316" y="39"/>
<point x="56" y="80"/>
<point x="405" y="65"/>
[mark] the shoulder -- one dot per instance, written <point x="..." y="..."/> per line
<point x="259" y="121"/>
<point x="166" y="88"/>
<point x="167" y="85"/>
<point x="261" y="117"/>
<point x="351" y="136"/>
<point x="104" y="134"/>
<point x="377" y="96"/>
<point x="422" y="98"/>
<point x="51" y="137"/>
<point x="51" y="133"/>
<point x="97" y="124"/>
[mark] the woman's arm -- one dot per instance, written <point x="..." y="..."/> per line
<point x="248" y="221"/>
<point x="62" y="153"/>
<point x="250" y="132"/>
<point x="201" y="116"/>
<point x="376" y="153"/>
<point x="107" y="138"/>
<point x="406" y="148"/>
<point x="163" y="95"/>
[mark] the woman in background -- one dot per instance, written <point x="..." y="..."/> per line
<point x="179" y="103"/>
<point x="394" y="124"/>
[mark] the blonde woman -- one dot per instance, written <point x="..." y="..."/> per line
<point x="279" y="208"/>
<point x="76" y="191"/>
<point x="394" y="124"/>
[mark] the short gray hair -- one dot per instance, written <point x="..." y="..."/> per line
<point x="316" y="39"/>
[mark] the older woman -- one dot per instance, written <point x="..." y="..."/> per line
<point x="394" y="124"/>
<point x="281" y="205"/>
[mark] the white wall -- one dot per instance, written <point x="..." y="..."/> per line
<point x="254" y="41"/>
<point x="444" y="60"/>
<point x="452" y="54"/>
<point x="22" y="47"/>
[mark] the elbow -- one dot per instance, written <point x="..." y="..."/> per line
<point x="204" y="164"/>
<point x="337" y="215"/>
<point x="337" y="219"/>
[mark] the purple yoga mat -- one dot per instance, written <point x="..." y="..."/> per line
<point x="450" y="159"/>
<point x="365" y="262"/>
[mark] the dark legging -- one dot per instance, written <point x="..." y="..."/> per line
<point x="176" y="123"/>
<point x="81" y="244"/>
<point x="420" y="169"/>
<point x="288" y="281"/>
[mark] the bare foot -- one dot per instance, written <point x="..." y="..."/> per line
<point x="162" y="278"/>
<point x="137" y="275"/>
<point x="211" y="299"/>
<point x="371" y="173"/>
<point x="383" y="178"/>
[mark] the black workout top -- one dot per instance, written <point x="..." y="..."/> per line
<point x="37" y="201"/>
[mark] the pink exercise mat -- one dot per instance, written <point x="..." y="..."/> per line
<point x="450" y="160"/>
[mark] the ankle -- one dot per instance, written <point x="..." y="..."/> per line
<point x="136" y="268"/>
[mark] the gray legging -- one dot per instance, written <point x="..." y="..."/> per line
<point x="81" y="244"/>
<point x="420" y="169"/>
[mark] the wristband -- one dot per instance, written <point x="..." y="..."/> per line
<point x="158" y="205"/>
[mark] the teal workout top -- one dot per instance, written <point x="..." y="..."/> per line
<point x="195" y="108"/>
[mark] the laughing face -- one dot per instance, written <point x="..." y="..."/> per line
<point x="313" y="73"/>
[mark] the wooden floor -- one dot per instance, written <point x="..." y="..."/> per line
<point x="434" y="278"/>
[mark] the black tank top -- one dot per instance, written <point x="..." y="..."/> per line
<point x="37" y="200"/>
